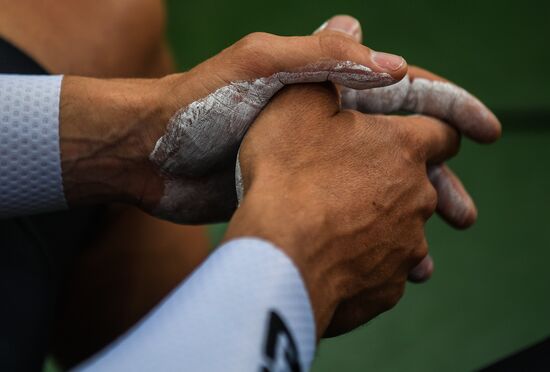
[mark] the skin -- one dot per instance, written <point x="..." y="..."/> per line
<point x="302" y="173"/>
<point x="433" y="95"/>
<point x="136" y="263"/>
<point x="207" y="133"/>
<point x="156" y="255"/>
<point x="430" y="94"/>
<point x="107" y="154"/>
<point x="109" y="127"/>
<point x="424" y="93"/>
<point x="47" y="34"/>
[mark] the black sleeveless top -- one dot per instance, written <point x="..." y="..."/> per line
<point x="34" y="254"/>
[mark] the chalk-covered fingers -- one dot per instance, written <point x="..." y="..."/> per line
<point x="435" y="96"/>
<point x="425" y="93"/>
<point x="473" y="119"/>
<point x="469" y="116"/>
<point x="455" y="205"/>
<point x="435" y="142"/>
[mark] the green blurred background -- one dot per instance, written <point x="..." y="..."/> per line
<point x="490" y="293"/>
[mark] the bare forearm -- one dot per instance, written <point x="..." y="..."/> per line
<point x="104" y="125"/>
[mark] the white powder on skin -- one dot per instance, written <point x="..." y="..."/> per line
<point x="203" y="138"/>
<point x="453" y="201"/>
<point x="439" y="99"/>
<point x="239" y="186"/>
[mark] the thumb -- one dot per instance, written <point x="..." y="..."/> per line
<point x="331" y="54"/>
<point x="351" y="27"/>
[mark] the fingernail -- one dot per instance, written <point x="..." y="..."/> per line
<point x="343" y="23"/>
<point x="387" y="61"/>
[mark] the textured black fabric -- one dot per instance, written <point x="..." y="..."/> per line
<point x="34" y="253"/>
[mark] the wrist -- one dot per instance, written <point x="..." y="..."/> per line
<point x="258" y="217"/>
<point x="106" y="130"/>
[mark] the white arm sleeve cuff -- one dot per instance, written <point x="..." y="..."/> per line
<point x="245" y="309"/>
<point x="30" y="164"/>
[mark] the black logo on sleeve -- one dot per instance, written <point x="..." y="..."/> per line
<point x="280" y="350"/>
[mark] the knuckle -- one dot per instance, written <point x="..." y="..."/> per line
<point x="335" y="45"/>
<point x="406" y="133"/>
<point x="380" y="122"/>
<point x="419" y="252"/>
<point x="393" y="297"/>
<point x="254" y="42"/>
<point x="252" y="53"/>
<point x="429" y="202"/>
<point x="257" y="38"/>
<point x="416" y="147"/>
<point x="411" y="145"/>
<point x="391" y="128"/>
<point x="352" y="117"/>
<point x="455" y="142"/>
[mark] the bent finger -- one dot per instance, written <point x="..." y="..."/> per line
<point x="454" y="204"/>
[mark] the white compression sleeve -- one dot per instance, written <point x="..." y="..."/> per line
<point x="30" y="164"/>
<point x="245" y="309"/>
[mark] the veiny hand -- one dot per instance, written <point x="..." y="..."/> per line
<point x="423" y="92"/>
<point x="345" y="195"/>
<point x="170" y="145"/>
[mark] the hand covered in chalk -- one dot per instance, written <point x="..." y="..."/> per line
<point x="209" y="109"/>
